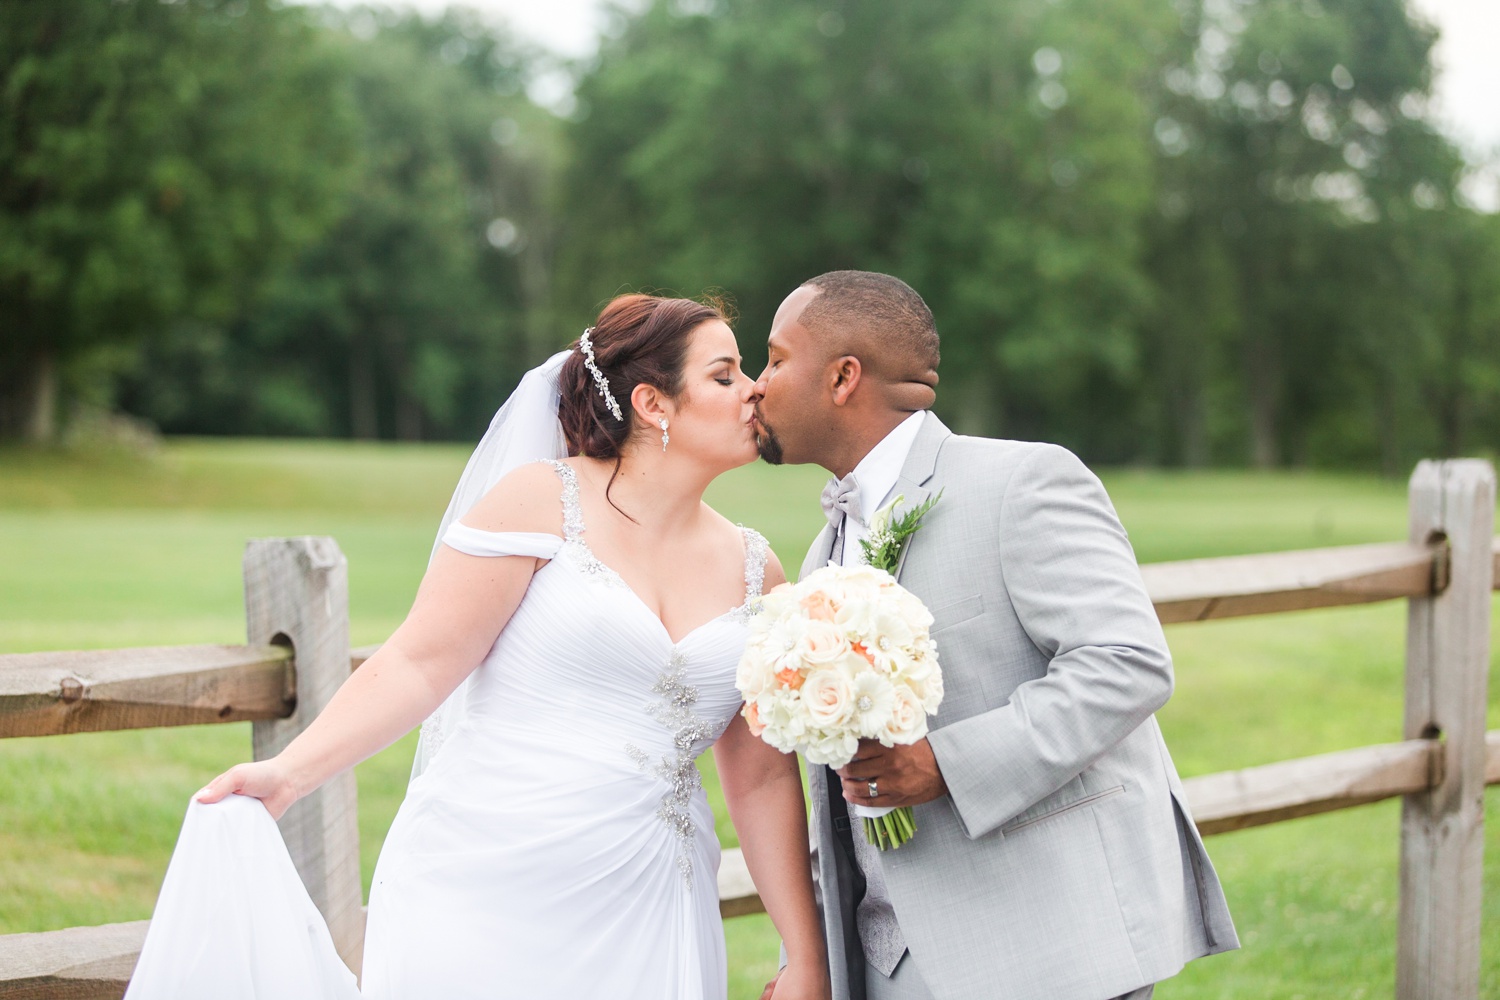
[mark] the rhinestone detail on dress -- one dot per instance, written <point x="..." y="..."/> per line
<point x="574" y="548"/>
<point x="755" y="573"/>
<point x="678" y="769"/>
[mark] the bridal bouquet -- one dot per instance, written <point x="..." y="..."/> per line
<point x="843" y="655"/>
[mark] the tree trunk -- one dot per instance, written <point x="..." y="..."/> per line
<point x="1193" y="429"/>
<point x="979" y="408"/>
<point x="28" y="400"/>
<point x="1262" y="378"/>
<point x="363" y="423"/>
<point x="408" y="419"/>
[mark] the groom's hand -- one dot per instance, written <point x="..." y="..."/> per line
<point x="903" y="775"/>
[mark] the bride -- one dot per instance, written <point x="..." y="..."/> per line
<point x="572" y="650"/>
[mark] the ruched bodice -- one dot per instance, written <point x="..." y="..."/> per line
<point x="563" y="816"/>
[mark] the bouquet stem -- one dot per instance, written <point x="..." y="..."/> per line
<point x="890" y="831"/>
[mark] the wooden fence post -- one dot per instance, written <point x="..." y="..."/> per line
<point x="1447" y="672"/>
<point x="297" y="593"/>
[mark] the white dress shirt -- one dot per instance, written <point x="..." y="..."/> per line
<point x="876" y="474"/>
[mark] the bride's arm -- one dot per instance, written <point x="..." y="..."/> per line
<point x="461" y="606"/>
<point x="763" y="790"/>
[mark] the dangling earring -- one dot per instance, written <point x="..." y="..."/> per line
<point x="664" y="438"/>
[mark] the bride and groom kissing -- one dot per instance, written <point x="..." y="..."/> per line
<point x="572" y="650"/>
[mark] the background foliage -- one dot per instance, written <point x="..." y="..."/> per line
<point x="1164" y="231"/>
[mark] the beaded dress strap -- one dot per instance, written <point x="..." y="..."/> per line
<point x="572" y="506"/>
<point x="755" y="563"/>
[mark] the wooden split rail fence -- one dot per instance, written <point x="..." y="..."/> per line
<point x="296" y="596"/>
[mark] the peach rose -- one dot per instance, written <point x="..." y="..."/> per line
<point x="752" y="718"/>
<point x="819" y="606"/>
<point x="821" y="643"/>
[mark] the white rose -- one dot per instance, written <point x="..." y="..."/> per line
<point x="753" y="675"/>
<point x="867" y="581"/>
<point x="821" y="643"/>
<point x="874" y="700"/>
<point x="908" y="720"/>
<point x="910" y="607"/>
<point x="828" y="698"/>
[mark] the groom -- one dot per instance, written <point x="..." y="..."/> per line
<point x="1054" y="857"/>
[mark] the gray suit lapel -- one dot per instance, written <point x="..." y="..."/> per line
<point x="917" y="472"/>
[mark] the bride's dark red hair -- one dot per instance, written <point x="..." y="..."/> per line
<point x="637" y="339"/>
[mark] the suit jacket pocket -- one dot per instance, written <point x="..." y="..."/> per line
<point x="1066" y="807"/>
<point x="954" y="612"/>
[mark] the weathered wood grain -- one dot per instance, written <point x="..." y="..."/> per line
<point x="1447" y="676"/>
<point x="1255" y="796"/>
<point x="1235" y="586"/>
<point x="297" y="594"/>
<point x="1237" y="800"/>
<point x="48" y="694"/>
<point x="79" y="963"/>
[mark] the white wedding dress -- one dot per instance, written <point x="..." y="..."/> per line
<point x="558" y="843"/>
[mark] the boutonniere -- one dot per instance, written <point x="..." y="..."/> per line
<point x="889" y="534"/>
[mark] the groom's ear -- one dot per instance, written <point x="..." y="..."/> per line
<point x="844" y="376"/>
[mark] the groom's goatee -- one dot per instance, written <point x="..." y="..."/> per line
<point x="765" y="441"/>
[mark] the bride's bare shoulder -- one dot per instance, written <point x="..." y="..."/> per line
<point x="528" y="498"/>
<point x="733" y="532"/>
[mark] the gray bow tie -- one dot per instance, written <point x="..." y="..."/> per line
<point x="841" y="497"/>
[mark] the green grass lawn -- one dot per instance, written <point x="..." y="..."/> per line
<point x="113" y="550"/>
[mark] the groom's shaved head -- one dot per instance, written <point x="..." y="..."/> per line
<point x="879" y="319"/>
<point x="850" y="355"/>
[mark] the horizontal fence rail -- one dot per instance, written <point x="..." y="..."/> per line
<point x="1236" y="586"/>
<point x="1252" y="796"/>
<point x="97" y="961"/>
<point x="45" y="694"/>
<point x="49" y="694"/>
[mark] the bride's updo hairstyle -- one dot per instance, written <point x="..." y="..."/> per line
<point x="636" y="339"/>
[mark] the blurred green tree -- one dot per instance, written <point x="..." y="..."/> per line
<point x="409" y="317"/>
<point x="157" y="162"/>
<point x="994" y="156"/>
<point x="1302" y="209"/>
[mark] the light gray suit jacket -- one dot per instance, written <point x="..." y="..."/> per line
<point x="1063" y="864"/>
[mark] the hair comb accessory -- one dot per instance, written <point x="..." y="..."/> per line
<point x="587" y="348"/>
